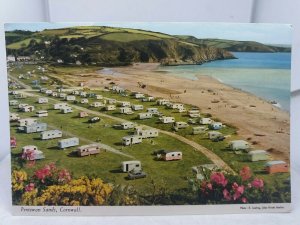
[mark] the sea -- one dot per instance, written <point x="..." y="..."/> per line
<point x="266" y="75"/>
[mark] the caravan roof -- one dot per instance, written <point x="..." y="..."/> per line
<point x="272" y="163"/>
<point x="257" y="152"/>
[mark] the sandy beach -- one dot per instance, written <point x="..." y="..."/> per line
<point x="262" y="124"/>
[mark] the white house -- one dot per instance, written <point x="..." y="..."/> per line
<point x="146" y="133"/>
<point x="126" y="110"/>
<point x="49" y="92"/>
<point x="83" y="94"/>
<point x="42" y="113"/>
<point x="137" y="107"/>
<point x="167" y="119"/>
<point x="14" y="117"/>
<point x="28" y="108"/>
<point x="42" y="100"/>
<point x="127" y="166"/>
<point x="70" y="98"/>
<point x="195" y="113"/>
<point x="99" y="97"/>
<point x="118" y="89"/>
<point x="51" y="134"/>
<point x="75" y="92"/>
<point x="239" y="145"/>
<point x="180" y="125"/>
<point x="214" y="134"/>
<point x="199" y="130"/>
<point x="148" y="99"/>
<point x="143" y="116"/>
<point x="14" y="92"/>
<point x="153" y="111"/>
<point x="31" y="152"/>
<point x="125" y="104"/>
<point x="205" y="121"/>
<point x="13" y="102"/>
<point x="20" y="106"/>
<point x="54" y="94"/>
<point x="90" y="149"/>
<point x="139" y="95"/>
<point x="10" y="58"/>
<point x="60" y="105"/>
<point x="111" y="101"/>
<point x="69" y="142"/>
<point x="162" y="102"/>
<point x="26" y="121"/>
<point x="127" y="125"/>
<point x="257" y="155"/>
<point x="175" y="106"/>
<point x="181" y="110"/>
<point x="170" y="155"/>
<point x="110" y="107"/>
<point x="132" y="139"/>
<point x="216" y="126"/>
<point x="66" y="110"/>
<point x="62" y="95"/>
<point x="35" y="127"/>
<point x="84" y="101"/>
<point x="97" y="104"/>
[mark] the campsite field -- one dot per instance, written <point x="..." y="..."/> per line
<point x="174" y="175"/>
<point x="107" y="165"/>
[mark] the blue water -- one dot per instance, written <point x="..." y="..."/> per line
<point x="266" y="75"/>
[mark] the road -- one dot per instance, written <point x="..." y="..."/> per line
<point x="209" y="154"/>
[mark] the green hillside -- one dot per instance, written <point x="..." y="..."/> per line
<point x="108" y="46"/>
<point x="235" y="46"/>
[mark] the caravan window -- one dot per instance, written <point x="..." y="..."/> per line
<point x="137" y="165"/>
<point x="178" y="154"/>
<point x="173" y="155"/>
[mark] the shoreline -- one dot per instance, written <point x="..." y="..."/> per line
<point x="257" y="120"/>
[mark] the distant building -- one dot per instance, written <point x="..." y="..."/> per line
<point x="90" y="149"/>
<point x="10" y="58"/>
<point x="51" y="134"/>
<point x="69" y="142"/>
<point x="132" y="139"/>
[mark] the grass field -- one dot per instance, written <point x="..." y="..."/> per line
<point x="106" y="165"/>
<point x="21" y="44"/>
<point x="127" y="37"/>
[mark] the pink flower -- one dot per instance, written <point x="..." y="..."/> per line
<point x="218" y="178"/>
<point x="226" y="195"/>
<point x="29" y="187"/>
<point x="64" y="176"/>
<point x="257" y="183"/>
<point x="28" y="154"/>
<point x="244" y="200"/>
<point x="245" y="173"/>
<point x="41" y="174"/>
<point x="238" y="190"/>
<point x="209" y="186"/>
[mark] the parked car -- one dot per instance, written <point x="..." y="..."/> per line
<point x="219" y="138"/>
<point x="136" y="174"/>
<point x="94" y="120"/>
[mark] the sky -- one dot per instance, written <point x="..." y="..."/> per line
<point x="264" y="33"/>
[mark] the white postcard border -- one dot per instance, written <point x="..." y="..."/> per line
<point x="151" y="210"/>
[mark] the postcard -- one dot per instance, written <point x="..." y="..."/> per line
<point x="149" y="118"/>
